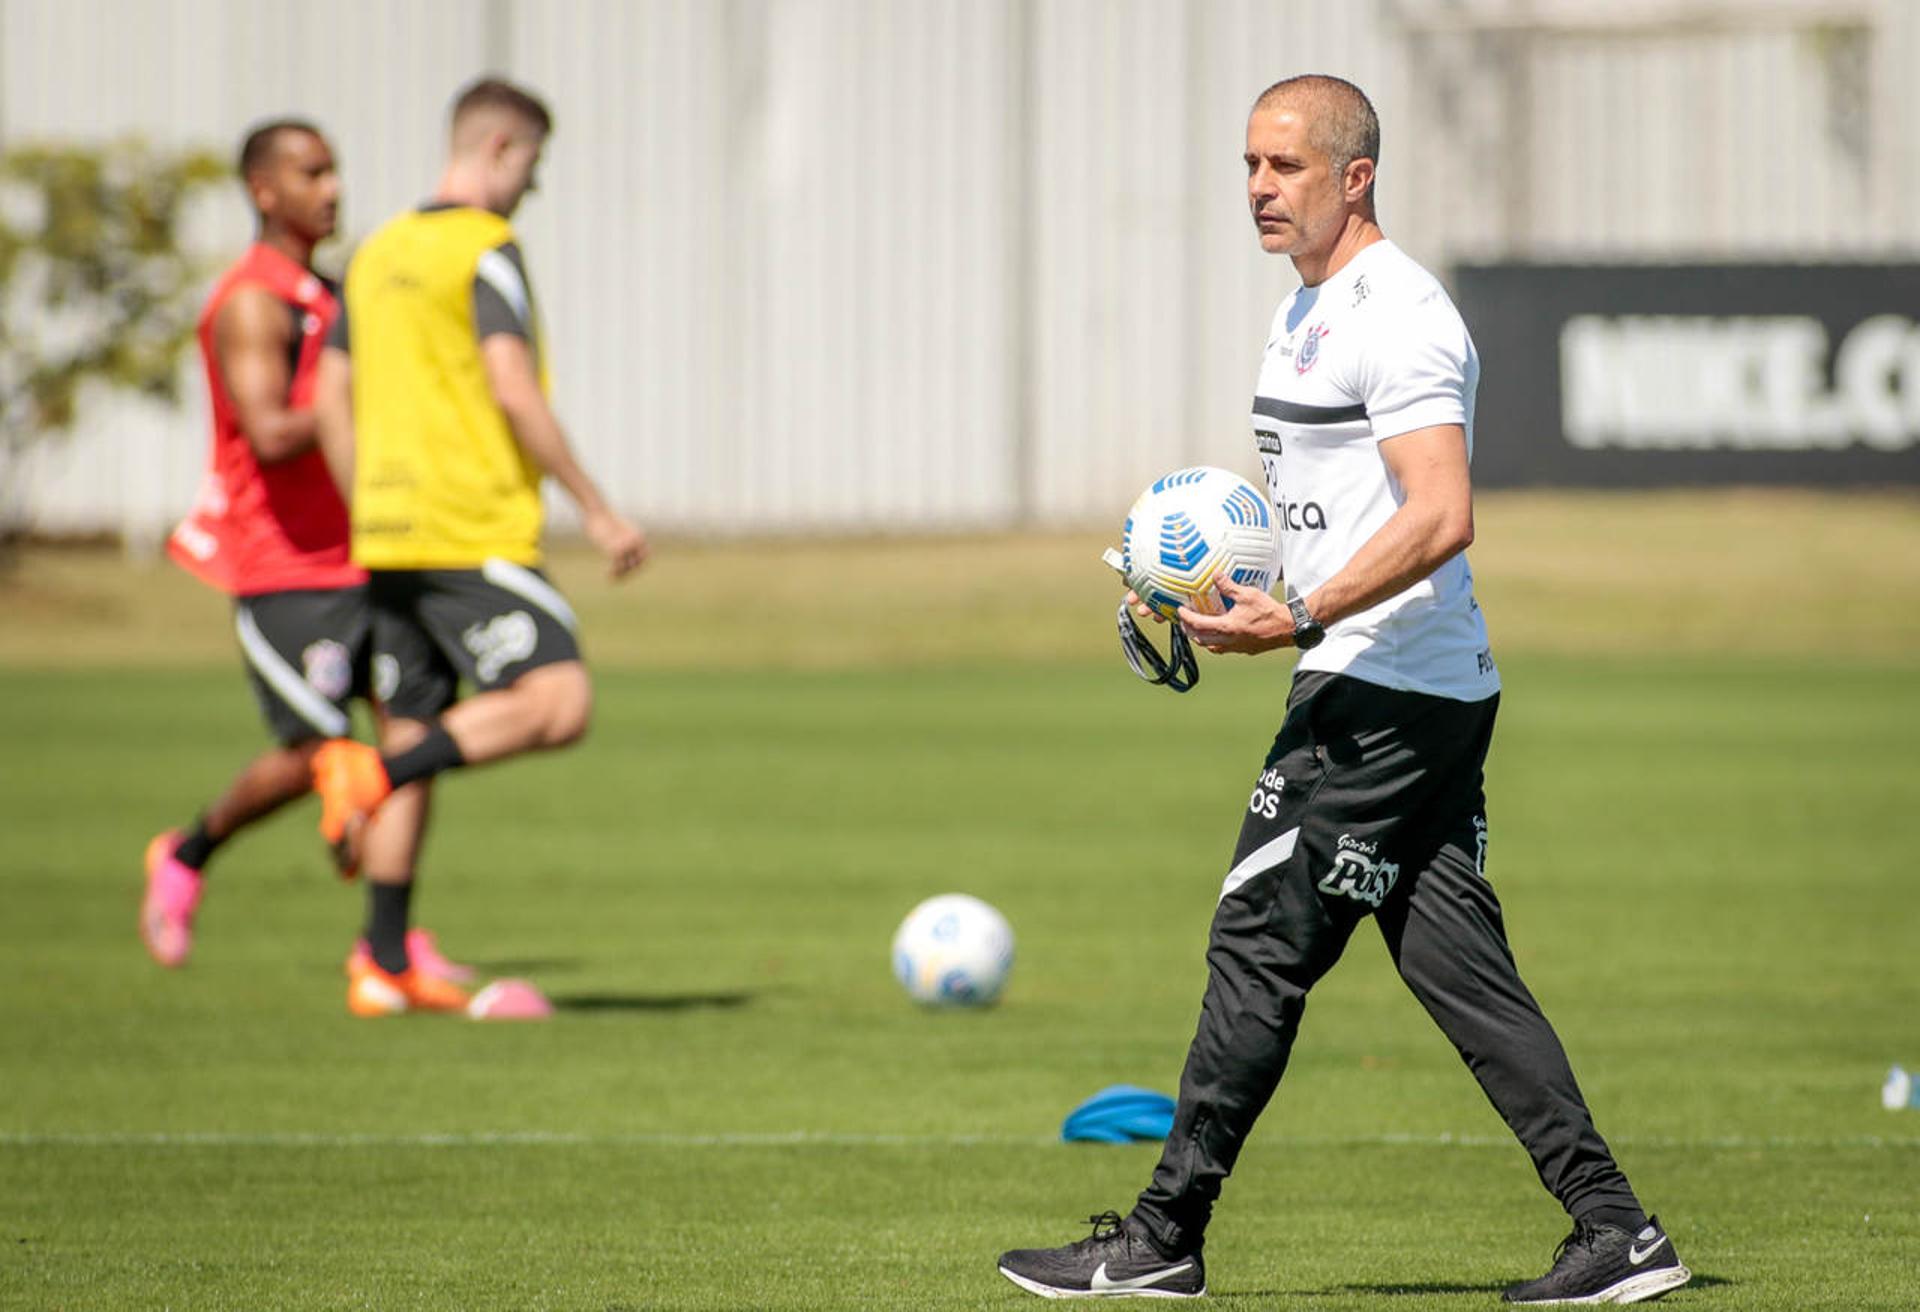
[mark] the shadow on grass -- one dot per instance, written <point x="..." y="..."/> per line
<point x="592" y="1002"/>
<point x="1404" y="1287"/>
<point x="1391" y="1287"/>
<point x="515" y="966"/>
<point x="1385" y="1289"/>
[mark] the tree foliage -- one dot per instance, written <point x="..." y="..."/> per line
<point x="94" y="281"/>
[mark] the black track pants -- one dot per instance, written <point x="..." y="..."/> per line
<point x="1370" y="803"/>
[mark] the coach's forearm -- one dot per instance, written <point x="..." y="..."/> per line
<point x="1416" y="541"/>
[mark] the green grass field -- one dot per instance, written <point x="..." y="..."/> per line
<point x="1705" y="849"/>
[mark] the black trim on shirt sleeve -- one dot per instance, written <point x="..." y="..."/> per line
<point x="337" y="334"/>
<point x="492" y="311"/>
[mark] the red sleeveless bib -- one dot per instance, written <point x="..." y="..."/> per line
<point x="266" y="528"/>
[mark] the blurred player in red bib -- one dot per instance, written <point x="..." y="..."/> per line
<point x="269" y="527"/>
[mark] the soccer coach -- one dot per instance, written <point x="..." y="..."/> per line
<point x="1370" y="802"/>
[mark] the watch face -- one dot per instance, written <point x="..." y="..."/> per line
<point x="1307" y="631"/>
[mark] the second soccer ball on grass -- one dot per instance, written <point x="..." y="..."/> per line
<point x="953" y="951"/>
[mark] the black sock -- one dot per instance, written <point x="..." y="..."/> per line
<point x="1630" y="1219"/>
<point x="387" y="906"/>
<point x="197" y="846"/>
<point x="426" y="758"/>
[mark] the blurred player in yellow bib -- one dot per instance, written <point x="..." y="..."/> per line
<point x="433" y="414"/>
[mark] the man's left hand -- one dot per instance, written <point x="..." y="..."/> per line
<point x="1256" y="623"/>
<point x="623" y="545"/>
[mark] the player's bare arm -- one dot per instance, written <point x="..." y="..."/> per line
<point x="516" y="387"/>
<point x="333" y="416"/>
<point x="1434" y="525"/>
<point x="251" y="336"/>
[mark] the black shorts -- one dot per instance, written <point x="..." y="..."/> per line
<point x="1364" y="785"/>
<point x="307" y="657"/>
<point x="434" y="627"/>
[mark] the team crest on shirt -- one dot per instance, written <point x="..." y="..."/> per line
<point x="1309" y="349"/>
<point x="327" y="668"/>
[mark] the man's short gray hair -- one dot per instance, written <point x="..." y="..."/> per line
<point x="1340" y="118"/>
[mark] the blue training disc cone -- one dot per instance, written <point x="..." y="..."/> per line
<point x="1119" y="1113"/>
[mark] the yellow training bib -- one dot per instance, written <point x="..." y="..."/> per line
<point x="439" y="481"/>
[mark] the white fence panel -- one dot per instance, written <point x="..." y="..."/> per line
<point x="856" y="264"/>
<point x="197" y="73"/>
<point x="631" y="241"/>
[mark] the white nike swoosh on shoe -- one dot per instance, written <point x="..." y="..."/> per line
<point x="1099" y="1283"/>
<point x="1637" y="1254"/>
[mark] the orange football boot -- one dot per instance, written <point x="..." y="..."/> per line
<point x="352" y="783"/>
<point x="372" y="991"/>
<point x="424" y="952"/>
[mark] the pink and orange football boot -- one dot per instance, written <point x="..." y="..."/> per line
<point x="173" y="895"/>
<point x="372" y="991"/>
<point x="424" y="952"/>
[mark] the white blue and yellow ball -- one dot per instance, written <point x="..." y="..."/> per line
<point x="1191" y="529"/>
<point x="953" y="951"/>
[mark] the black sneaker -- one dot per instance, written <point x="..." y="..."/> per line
<point x="1605" y="1264"/>
<point x="1117" y="1260"/>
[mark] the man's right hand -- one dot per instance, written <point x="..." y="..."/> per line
<point x="623" y="544"/>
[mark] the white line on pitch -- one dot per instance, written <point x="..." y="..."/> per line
<point x="811" y="1139"/>
<point x="504" y="1139"/>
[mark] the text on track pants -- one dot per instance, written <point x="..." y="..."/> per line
<point x="1370" y="803"/>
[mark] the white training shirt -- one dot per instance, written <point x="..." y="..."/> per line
<point x="1375" y="351"/>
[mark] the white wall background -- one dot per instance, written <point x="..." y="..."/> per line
<point x="905" y="264"/>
